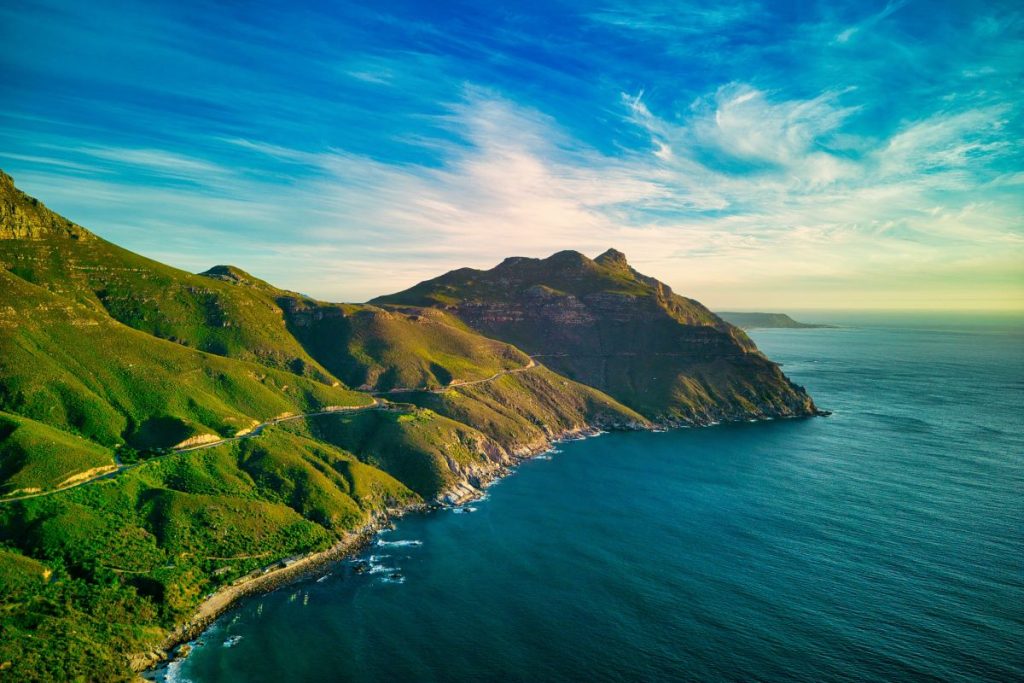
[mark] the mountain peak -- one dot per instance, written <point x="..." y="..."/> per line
<point x="568" y="258"/>
<point x="234" y="275"/>
<point x="612" y="258"/>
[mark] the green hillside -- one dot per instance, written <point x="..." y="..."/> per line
<point x="108" y="360"/>
<point x="522" y="411"/>
<point x="133" y="555"/>
<point x="34" y="456"/>
<point x="67" y="365"/>
<point x="376" y="349"/>
<point x="203" y="313"/>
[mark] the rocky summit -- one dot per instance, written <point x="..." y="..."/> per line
<point x="604" y="324"/>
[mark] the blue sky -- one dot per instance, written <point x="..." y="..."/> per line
<point x="753" y="155"/>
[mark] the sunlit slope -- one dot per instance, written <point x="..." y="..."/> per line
<point x="132" y="556"/>
<point x="203" y="313"/>
<point x="372" y="348"/>
<point x="36" y="457"/>
<point x="67" y="365"/>
<point x="523" y="410"/>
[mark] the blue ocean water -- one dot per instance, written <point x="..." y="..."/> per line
<point x="883" y="543"/>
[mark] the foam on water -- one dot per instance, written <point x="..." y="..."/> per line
<point x="398" y="544"/>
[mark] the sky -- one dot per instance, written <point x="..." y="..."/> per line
<point x="753" y="155"/>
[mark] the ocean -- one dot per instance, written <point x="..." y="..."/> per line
<point x="883" y="543"/>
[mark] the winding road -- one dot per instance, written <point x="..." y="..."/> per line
<point x="258" y="429"/>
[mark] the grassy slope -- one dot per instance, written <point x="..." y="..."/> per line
<point x="36" y="456"/>
<point x="521" y="411"/>
<point x="200" y="312"/>
<point x="371" y="348"/>
<point x="142" y="549"/>
<point x="426" y="451"/>
<point x="67" y="365"/>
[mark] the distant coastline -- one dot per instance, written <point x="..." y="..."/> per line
<point x="750" y="321"/>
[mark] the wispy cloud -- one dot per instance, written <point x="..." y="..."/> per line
<point x="850" y="32"/>
<point x="745" y="155"/>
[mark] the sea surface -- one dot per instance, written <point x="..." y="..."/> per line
<point x="884" y="543"/>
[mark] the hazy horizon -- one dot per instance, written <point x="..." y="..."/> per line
<point x="761" y="157"/>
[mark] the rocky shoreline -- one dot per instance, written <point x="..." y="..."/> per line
<point x="151" y="665"/>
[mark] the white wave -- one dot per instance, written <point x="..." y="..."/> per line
<point x="232" y="641"/>
<point x="397" y="544"/>
<point x="389" y="579"/>
<point x="172" y="674"/>
<point x="381" y="569"/>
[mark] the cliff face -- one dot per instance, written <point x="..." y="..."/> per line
<point x="602" y="323"/>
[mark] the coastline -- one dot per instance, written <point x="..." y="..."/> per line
<point x="152" y="665"/>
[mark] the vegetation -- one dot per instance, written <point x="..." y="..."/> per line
<point x="522" y="411"/>
<point x="108" y="358"/>
<point x="34" y="456"/>
<point x="147" y="545"/>
<point x="73" y="368"/>
<point x="376" y="349"/>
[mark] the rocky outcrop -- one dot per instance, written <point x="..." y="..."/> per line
<point x="25" y="218"/>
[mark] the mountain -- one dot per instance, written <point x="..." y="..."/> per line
<point x="604" y="324"/>
<point x="143" y="463"/>
<point x="749" y="321"/>
<point x="167" y="435"/>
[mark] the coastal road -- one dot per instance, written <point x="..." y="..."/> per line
<point x="457" y="383"/>
<point x="255" y="431"/>
<point x="258" y="429"/>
